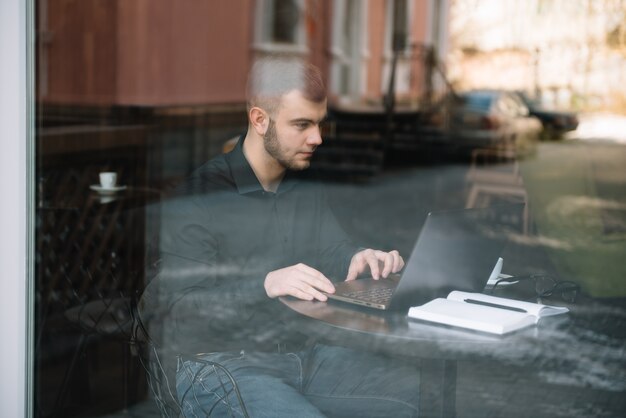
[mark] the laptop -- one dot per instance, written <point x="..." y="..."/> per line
<point x="455" y="250"/>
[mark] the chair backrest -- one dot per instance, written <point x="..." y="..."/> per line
<point x="86" y="266"/>
<point x="161" y="384"/>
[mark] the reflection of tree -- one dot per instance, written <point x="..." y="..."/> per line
<point x="566" y="49"/>
<point x="616" y="37"/>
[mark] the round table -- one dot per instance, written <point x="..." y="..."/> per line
<point x="554" y="342"/>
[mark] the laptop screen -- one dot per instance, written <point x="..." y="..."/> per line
<point x="456" y="250"/>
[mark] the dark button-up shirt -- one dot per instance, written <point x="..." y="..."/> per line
<point x="220" y="235"/>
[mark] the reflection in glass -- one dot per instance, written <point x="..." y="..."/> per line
<point x="153" y="90"/>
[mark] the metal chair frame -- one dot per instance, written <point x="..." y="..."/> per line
<point x="159" y="384"/>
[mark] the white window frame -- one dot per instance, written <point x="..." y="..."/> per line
<point x="437" y="34"/>
<point x="264" y="9"/>
<point x="16" y="164"/>
<point x="437" y="25"/>
<point x="340" y="57"/>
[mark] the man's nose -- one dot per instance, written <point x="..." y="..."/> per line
<point x="316" y="136"/>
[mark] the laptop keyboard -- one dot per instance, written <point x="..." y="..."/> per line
<point x="379" y="296"/>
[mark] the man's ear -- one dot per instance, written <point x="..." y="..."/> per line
<point x="259" y="120"/>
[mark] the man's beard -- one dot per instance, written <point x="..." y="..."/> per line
<point x="273" y="148"/>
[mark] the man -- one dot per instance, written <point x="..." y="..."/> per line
<point x="251" y="226"/>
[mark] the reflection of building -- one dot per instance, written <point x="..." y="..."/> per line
<point x="181" y="66"/>
<point x="194" y="52"/>
<point x="151" y="89"/>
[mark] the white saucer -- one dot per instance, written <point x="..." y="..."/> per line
<point x="107" y="190"/>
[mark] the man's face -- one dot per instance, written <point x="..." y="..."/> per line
<point x="294" y="134"/>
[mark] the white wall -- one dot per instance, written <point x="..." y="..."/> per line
<point x="13" y="208"/>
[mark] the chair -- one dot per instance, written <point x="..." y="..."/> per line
<point x="107" y="318"/>
<point x="162" y="384"/>
<point x="87" y="279"/>
<point x="230" y="144"/>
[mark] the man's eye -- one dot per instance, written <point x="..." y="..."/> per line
<point x="302" y="126"/>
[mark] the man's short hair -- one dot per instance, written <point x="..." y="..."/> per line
<point x="272" y="77"/>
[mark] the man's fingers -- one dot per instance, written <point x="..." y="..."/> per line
<point x="315" y="278"/>
<point x="372" y="261"/>
<point x="300" y="281"/>
<point x="357" y="265"/>
<point x="353" y="271"/>
<point x="388" y="263"/>
<point x="393" y="263"/>
<point x="298" y="293"/>
<point x="398" y="262"/>
<point x="307" y="292"/>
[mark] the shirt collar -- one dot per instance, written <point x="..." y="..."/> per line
<point x="244" y="177"/>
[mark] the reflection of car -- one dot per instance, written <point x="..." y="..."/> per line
<point x="490" y="119"/>
<point x="555" y="123"/>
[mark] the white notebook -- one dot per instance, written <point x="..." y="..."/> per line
<point x="482" y="312"/>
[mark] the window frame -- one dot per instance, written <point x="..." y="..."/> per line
<point x="16" y="185"/>
<point x="357" y="61"/>
<point x="403" y="65"/>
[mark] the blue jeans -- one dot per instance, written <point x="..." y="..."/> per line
<point x="318" y="382"/>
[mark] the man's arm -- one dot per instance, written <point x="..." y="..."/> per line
<point x="190" y="272"/>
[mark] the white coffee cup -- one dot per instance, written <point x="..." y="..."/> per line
<point x="108" y="179"/>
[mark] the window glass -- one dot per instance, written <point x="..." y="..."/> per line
<point x="346" y="39"/>
<point x="285" y="21"/>
<point x="210" y="175"/>
<point x="479" y="101"/>
<point x="400" y="25"/>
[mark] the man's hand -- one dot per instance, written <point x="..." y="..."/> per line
<point x="391" y="262"/>
<point x="301" y="281"/>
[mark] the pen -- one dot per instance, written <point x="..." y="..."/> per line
<point x="495" y="305"/>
